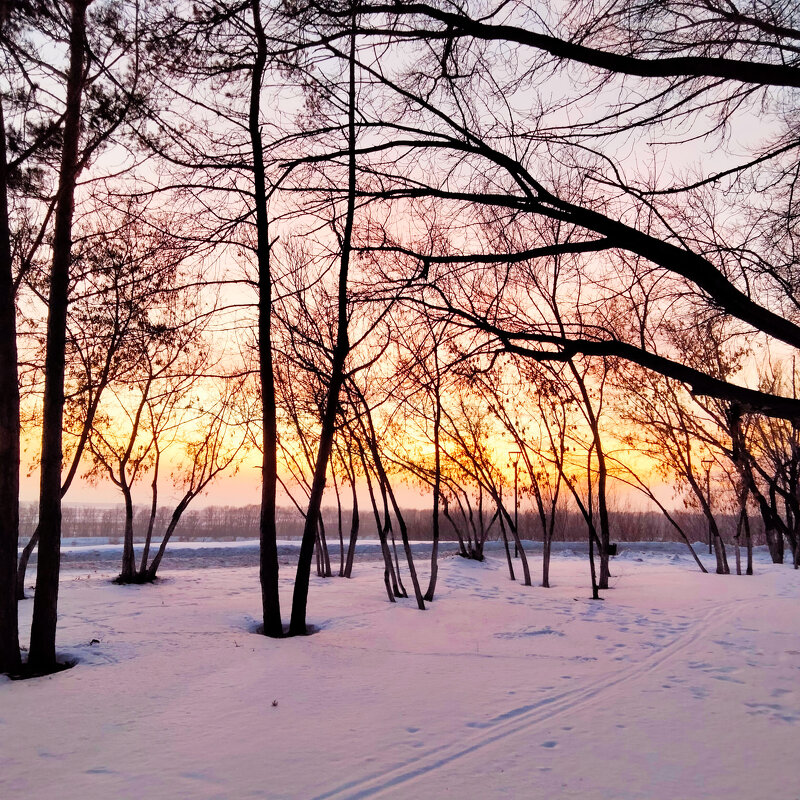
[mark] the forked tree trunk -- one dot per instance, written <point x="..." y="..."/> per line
<point x="604" y="539"/>
<point x="719" y="548"/>
<point x="388" y="530"/>
<point x="389" y="578"/>
<point x="42" y="657"/>
<point x="526" y="573"/>
<point x="406" y="546"/>
<point x="508" y="552"/>
<point x="9" y="424"/>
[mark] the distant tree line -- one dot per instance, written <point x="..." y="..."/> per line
<point x="234" y="523"/>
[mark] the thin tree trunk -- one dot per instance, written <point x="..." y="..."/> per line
<point x="24" y="558"/>
<point x="42" y="657"/>
<point x="526" y="573"/>
<point x="462" y="550"/>
<point x="326" y="557"/>
<point x="77" y="455"/>
<point x="749" y="543"/>
<point x="128" y="570"/>
<point x="719" y="548"/>
<point x="388" y="568"/>
<point x="739" y="528"/>
<point x="547" y="541"/>
<point x="268" y="535"/>
<point x="297" y="626"/>
<point x="173" y="524"/>
<point x="602" y="479"/>
<point x="437" y="486"/>
<point x="340" y="527"/>
<point x="508" y="552"/>
<point x="9" y="424"/>
<point x="354" y="524"/>
<point x="389" y="530"/>
<point x="595" y="587"/>
<point x="403" y="532"/>
<point x="152" y="520"/>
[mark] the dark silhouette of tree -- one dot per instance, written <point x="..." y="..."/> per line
<point x="9" y="413"/>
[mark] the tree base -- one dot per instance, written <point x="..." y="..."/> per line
<point x="137" y="579"/>
<point x="25" y="672"/>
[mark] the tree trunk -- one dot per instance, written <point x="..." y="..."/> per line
<point x="340" y="528"/>
<point x="268" y="535"/>
<point x="592" y="570"/>
<point x="437" y="488"/>
<point x="719" y="548"/>
<point x="749" y="543"/>
<point x="22" y="568"/>
<point x="128" y="571"/>
<point x="547" y="541"/>
<point x="508" y="552"/>
<point x="602" y="479"/>
<point x="42" y="656"/>
<point x="326" y="556"/>
<point x="9" y="426"/>
<point x="406" y="544"/>
<point x="354" y="526"/>
<point x="297" y="626"/>
<point x="152" y="520"/>
<point x="389" y="578"/>
<point x="150" y="573"/>
<point x="526" y="573"/>
<point x="389" y="530"/>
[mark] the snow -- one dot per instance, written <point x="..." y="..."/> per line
<point x="678" y="685"/>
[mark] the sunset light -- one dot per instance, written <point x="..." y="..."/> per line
<point x="333" y="312"/>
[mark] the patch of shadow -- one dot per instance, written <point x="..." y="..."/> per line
<point x="26" y="672"/>
<point x="546" y="631"/>
<point x="258" y="628"/>
<point x="550" y="744"/>
<point x="514" y="712"/>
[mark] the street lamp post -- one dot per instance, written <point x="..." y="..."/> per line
<point x="514" y="456"/>
<point x="707" y="464"/>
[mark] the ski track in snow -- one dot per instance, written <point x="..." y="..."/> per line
<point x="671" y="653"/>
<point x="522" y="718"/>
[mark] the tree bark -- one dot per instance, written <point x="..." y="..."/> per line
<point x="437" y="489"/>
<point x="297" y="625"/>
<point x="42" y="657"/>
<point x="268" y="535"/>
<point x="9" y="425"/>
<point x="128" y="570"/>
<point x="354" y="524"/>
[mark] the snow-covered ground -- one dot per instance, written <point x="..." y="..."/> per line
<point x="679" y="685"/>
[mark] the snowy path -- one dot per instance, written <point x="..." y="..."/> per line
<point x="679" y="685"/>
